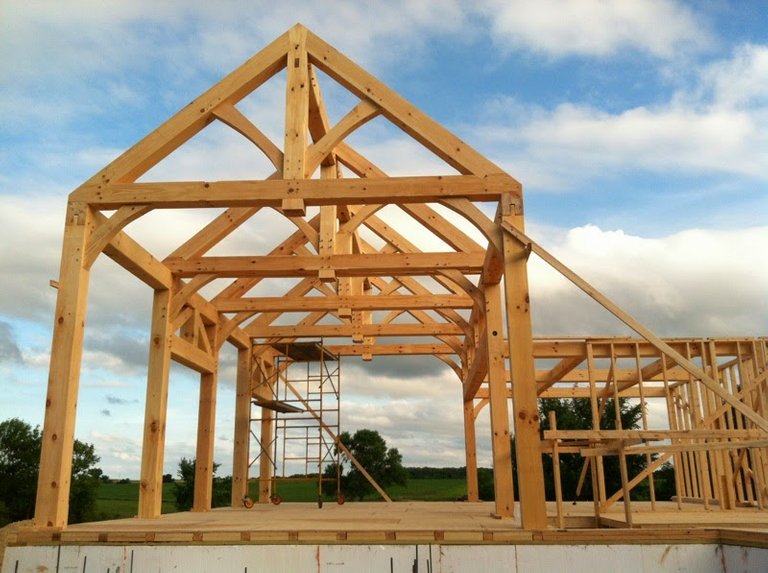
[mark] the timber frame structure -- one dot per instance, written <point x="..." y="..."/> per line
<point x="468" y="303"/>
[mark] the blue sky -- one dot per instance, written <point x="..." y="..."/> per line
<point x="638" y="129"/>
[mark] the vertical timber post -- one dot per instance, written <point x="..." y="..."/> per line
<point x="266" y="437"/>
<point x="242" y="427"/>
<point x="530" y="471"/>
<point x="52" y="505"/>
<point x="156" y="407"/>
<point x="470" y="444"/>
<point x="497" y="391"/>
<point x="206" y="423"/>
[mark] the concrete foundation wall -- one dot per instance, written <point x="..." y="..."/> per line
<point x="387" y="559"/>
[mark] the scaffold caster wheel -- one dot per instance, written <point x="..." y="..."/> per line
<point x="277" y="500"/>
<point x="247" y="502"/>
<point x="340" y="500"/>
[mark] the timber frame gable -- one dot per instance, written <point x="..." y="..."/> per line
<point x="358" y="281"/>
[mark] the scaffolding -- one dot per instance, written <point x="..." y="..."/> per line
<point x="305" y="386"/>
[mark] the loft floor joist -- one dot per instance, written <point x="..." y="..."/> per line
<point x="361" y="282"/>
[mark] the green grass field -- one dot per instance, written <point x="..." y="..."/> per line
<point x="119" y="500"/>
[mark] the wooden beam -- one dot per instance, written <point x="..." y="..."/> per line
<point x="191" y="356"/>
<point x="347" y="265"/>
<point x="107" y="230"/>
<point x="470" y="451"/>
<point x="346" y="330"/>
<point x="330" y="303"/>
<point x="635" y="325"/>
<point x="390" y="349"/>
<point x="557" y="372"/>
<point x="296" y="117"/>
<point x="156" y="407"/>
<point x="357" y="116"/>
<point x="231" y="116"/>
<point x="195" y="116"/>
<point x="52" y="505"/>
<point x="530" y="472"/>
<point x="271" y="192"/>
<point x="497" y="392"/>
<point x="206" y="424"/>
<point x="415" y="123"/>
<point x="242" y="432"/>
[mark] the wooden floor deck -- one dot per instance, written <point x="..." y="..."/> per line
<point x="412" y="523"/>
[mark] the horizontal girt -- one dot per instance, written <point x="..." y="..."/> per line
<point x="356" y="265"/>
<point x="272" y="192"/>
<point x="330" y="303"/>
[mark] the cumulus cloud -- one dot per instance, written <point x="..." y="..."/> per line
<point x="713" y="126"/>
<point x="9" y="349"/>
<point x="669" y="283"/>
<point x="660" y="28"/>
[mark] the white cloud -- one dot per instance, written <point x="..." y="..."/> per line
<point x="595" y="28"/>
<point x="692" y="283"/>
<point x="715" y="126"/>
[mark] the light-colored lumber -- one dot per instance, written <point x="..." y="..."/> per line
<point x="58" y="436"/>
<point x="530" y="473"/>
<point x="270" y="192"/>
<point x="206" y="426"/>
<point x="369" y="302"/>
<point x="156" y="407"/>
<point x="707" y="380"/>
<point x="497" y="391"/>
<point x="346" y="265"/>
<point x="470" y="449"/>
<point x="242" y="432"/>
<point x="335" y="330"/>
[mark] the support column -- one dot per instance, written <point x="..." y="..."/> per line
<point x="497" y="393"/>
<point x="266" y="435"/>
<point x="242" y="440"/>
<point x="52" y="506"/>
<point x="206" y="423"/>
<point x="470" y="445"/>
<point x="530" y="472"/>
<point x="156" y="407"/>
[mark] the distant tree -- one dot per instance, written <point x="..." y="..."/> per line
<point x="86" y="478"/>
<point x="184" y="487"/>
<point x="385" y="465"/>
<point x="20" y="446"/>
<point x="167" y="478"/>
<point x="576" y="414"/>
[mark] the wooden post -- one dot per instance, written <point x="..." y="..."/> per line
<point x="155" y="408"/>
<point x="625" y="484"/>
<point x="497" y="393"/>
<point x="266" y="437"/>
<point x="470" y="446"/>
<point x="556" y="471"/>
<point x="241" y="450"/>
<point x="52" y="506"/>
<point x="296" y="116"/>
<point x="530" y="472"/>
<point x="206" y="423"/>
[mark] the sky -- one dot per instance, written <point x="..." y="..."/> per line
<point x="639" y="130"/>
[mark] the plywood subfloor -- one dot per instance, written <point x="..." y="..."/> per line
<point x="412" y="522"/>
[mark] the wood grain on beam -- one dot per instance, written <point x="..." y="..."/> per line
<point x="270" y="193"/>
<point x="345" y="265"/>
<point x="311" y="303"/>
<point x="346" y="330"/>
